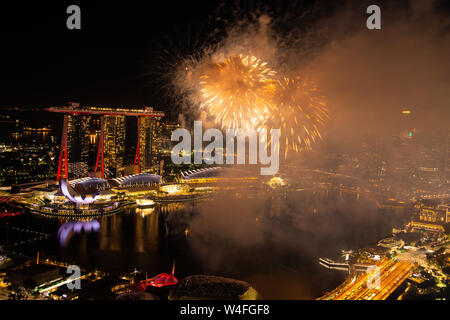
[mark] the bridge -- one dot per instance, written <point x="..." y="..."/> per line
<point x="344" y="266"/>
<point x="378" y="284"/>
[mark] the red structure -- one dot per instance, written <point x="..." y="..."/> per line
<point x="63" y="151"/>
<point x="9" y="214"/>
<point x="100" y="149"/>
<point x="76" y="110"/>
<point x="161" y="280"/>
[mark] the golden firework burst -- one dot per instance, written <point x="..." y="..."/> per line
<point x="237" y="92"/>
<point x="302" y="113"/>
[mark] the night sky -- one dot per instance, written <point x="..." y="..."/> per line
<point x="104" y="63"/>
<point x="110" y="61"/>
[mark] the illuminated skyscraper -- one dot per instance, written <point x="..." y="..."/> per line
<point x="166" y="135"/>
<point x="156" y="141"/>
<point x="78" y="138"/>
<point x="150" y="143"/>
<point x="78" y="143"/>
<point x="114" y="145"/>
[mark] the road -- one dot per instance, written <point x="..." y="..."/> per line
<point x="377" y="284"/>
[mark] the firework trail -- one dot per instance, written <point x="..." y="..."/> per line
<point x="243" y="92"/>
<point x="237" y="92"/>
<point x="241" y="81"/>
<point x="301" y="115"/>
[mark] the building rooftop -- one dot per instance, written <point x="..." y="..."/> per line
<point x="139" y="179"/>
<point x="75" y="109"/>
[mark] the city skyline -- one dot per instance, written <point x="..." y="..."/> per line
<point x="225" y="150"/>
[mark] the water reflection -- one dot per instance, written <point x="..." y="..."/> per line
<point x="66" y="230"/>
<point x="277" y="254"/>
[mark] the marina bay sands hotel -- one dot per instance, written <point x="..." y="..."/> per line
<point x="104" y="129"/>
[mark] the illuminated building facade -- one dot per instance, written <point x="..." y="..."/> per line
<point x="166" y="135"/>
<point x="114" y="145"/>
<point x="431" y="214"/>
<point x="150" y="143"/>
<point x="78" y="138"/>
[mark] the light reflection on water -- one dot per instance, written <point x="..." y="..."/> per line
<point x="150" y="239"/>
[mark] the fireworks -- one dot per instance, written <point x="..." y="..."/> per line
<point x="237" y="92"/>
<point x="302" y="113"/>
<point x="243" y="92"/>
